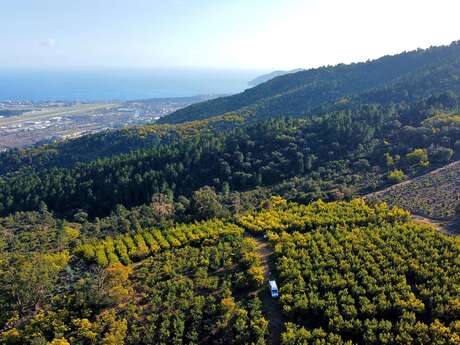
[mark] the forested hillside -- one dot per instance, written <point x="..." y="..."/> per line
<point x="366" y="141"/>
<point x="334" y="155"/>
<point x="391" y="78"/>
<point x="105" y="144"/>
<point x="153" y="234"/>
<point x="266" y="77"/>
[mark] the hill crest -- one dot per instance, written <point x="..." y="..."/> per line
<point x="308" y="91"/>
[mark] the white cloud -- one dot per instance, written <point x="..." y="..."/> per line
<point x="49" y="43"/>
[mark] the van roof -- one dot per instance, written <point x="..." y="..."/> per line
<point x="273" y="284"/>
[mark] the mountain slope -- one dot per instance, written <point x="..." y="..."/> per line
<point x="325" y="157"/>
<point x="266" y="77"/>
<point x="302" y="92"/>
<point x="354" y="146"/>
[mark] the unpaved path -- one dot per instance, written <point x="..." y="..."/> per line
<point x="271" y="306"/>
<point x="447" y="228"/>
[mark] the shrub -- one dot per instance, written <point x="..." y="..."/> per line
<point x="418" y="158"/>
<point x="441" y="154"/>
<point x="396" y="176"/>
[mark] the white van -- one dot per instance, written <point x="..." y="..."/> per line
<point x="273" y="288"/>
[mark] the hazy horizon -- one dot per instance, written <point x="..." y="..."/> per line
<point x="263" y="35"/>
<point x="111" y="49"/>
<point x="92" y="84"/>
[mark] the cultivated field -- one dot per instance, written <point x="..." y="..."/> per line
<point x="434" y="195"/>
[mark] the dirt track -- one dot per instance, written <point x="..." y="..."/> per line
<point x="271" y="306"/>
<point x="448" y="228"/>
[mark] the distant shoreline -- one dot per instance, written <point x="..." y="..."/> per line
<point x="119" y="85"/>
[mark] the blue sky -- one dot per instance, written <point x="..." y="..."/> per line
<point x="252" y="34"/>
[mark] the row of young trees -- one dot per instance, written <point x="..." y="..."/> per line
<point x="380" y="333"/>
<point x="280" y="215"/>
<point x="200" y="294"/>
<point x="368" y="282"/>
<point x="133" y="247"/>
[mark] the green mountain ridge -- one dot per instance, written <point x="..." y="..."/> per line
<point x="303" y="92"/>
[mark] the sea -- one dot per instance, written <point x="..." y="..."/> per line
<point x="40" y="85"/>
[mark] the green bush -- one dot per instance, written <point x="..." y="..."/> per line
<point x="396" y="176"/>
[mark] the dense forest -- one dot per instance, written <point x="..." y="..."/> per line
<point x="363" y="142"/>
<point x="354" y="151"/>
<point x="168" y="233"/>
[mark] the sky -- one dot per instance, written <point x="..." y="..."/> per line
<point x="243" y="34"/>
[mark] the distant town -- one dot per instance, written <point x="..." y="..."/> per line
<point x="24" y="123"/>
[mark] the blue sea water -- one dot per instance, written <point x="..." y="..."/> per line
<point x="119" y="84"/>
